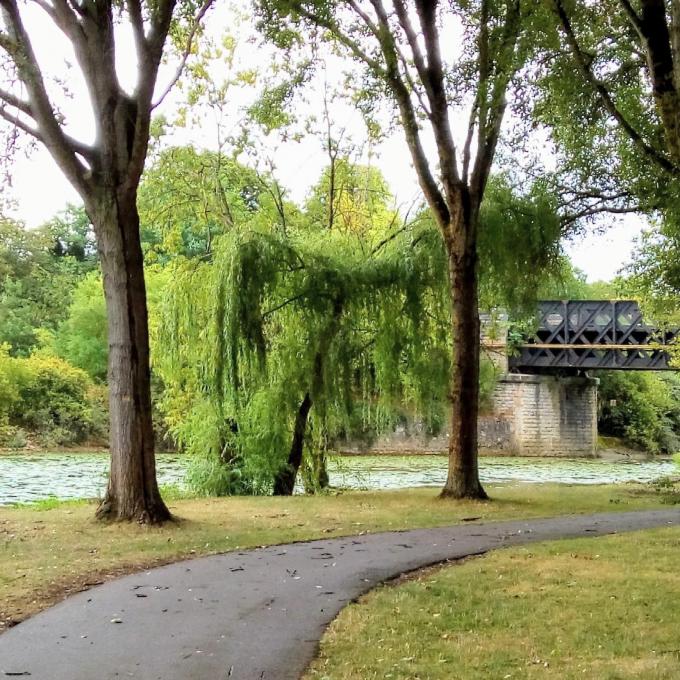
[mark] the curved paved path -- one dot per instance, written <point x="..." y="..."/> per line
<point x="252" y="615"/>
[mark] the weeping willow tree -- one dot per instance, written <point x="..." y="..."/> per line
<point x="280" y="343"/>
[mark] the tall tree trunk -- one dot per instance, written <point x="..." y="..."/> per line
<point x="132" y="492"/>
<point x="284" y="483"/>
<point x="463" y="475"/>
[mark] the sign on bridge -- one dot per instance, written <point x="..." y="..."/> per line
<point x="593" y="334"/>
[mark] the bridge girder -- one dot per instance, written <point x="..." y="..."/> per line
<point x="580" y="335"/>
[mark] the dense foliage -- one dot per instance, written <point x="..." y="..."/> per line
<point x="38" y="272"/>
<point x="641" y="408"/>
<point x="335" y="328"/>
<point x="47" y="402"/>
<point x="262" y="311"/>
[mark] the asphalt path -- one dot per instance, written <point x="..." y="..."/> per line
<point x="257" y="614"/>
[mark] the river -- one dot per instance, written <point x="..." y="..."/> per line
<point x="31" y="477"/>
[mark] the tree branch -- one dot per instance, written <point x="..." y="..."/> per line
<point x="412" y="84"/>
<point x="73" y="4"/>
<point x="575" y="195"/>
<point x="7" y="44"/>
<point x="409" y="120"/>
<point x="675" y="38"/>
<point x="137" y="23"/>
<point x="160" y="23"/>
<point x="483" y="74"/>
<point x="41" y="108"/>
<point x="412" y="132"/>
<point x="570" y="219"/>
<point x="405" y="23"/>
<point x="490" y="125"/>
<point x="15" y="102"/>
<point x="84" y="150"/>
<point x="342" y="38"/>
<point x="632" y="16"/>
<point x="657" y="38"/>
<point x="467" y="147"/>
<point x="149" y="63"/>
<point x="402" y="57"/>
<point x="370" y="24"/>
<point x="61" y="13"/>
<point x="17" y="122"/>
<point x="434" y="86"/>
<point x="187" y="51"/>
<point x="388" y="239"/>
<point x="583" y="64"/>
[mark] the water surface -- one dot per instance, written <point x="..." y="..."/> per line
<point x="31" y="477"/>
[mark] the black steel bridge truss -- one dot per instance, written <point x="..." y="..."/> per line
<point x="575" y="335"/>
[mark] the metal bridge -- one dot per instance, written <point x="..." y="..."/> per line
<point x="580" y="335"/>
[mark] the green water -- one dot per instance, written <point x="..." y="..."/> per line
<point x="31" y="477"/>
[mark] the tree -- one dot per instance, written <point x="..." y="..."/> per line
<point x="352" y="198"/>
<point x="303" y="331"/>
<point x="36" y="282"/>
<point x="188" y="198"/>
<point x="607" y="86"/>
<point x="641" y="45"/>
<point x="642" y="408"/>
<point x="106" y="175"/>
<point x="611" y="95"/>
<point x="71" y="235"/>
<point x="81" y="338"/>
<point x="399" y="44"/>
<point x="281" y="344"/>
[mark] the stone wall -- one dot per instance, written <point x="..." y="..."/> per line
<point x="536" y="415"/>
<point x="533" y="415"/>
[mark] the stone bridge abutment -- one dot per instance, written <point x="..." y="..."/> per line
<point x="541" y="415"/>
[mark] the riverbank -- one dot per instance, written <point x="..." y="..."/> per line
<point x="39" y="451"/>
<point x="608" y="448"/>
<point x="54" y="549"/>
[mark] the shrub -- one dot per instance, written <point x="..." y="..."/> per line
<point x="9" y="393"/>
<point x="49" y="399"/>
<point x="642" y="408"/>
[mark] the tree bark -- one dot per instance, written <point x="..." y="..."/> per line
<point x="662" y="70"/>
<point x="132" y="492"/>
<point x="284" y="484"/>
<point x="463" y="473"/>
<point x="315" y="473"/>
<point x="320" y="469"/>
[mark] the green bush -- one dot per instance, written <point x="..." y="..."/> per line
<point x="642" y="408"/>
<point x="82" y="337"/>
<point x="47" y="399"/>
<point x="9" y="396"/>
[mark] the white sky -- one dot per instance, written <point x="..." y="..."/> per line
<point x="40" y="191"/>
<point x="602" y="253"/>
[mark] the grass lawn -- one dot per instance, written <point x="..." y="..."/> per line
<point x="52" y="549"/>
<point x="601" y="608"/>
